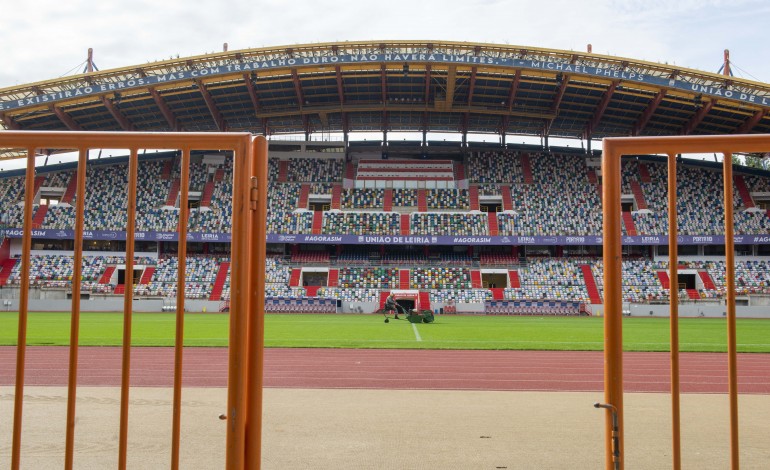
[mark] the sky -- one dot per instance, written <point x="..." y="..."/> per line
<point x="48" y="39"/>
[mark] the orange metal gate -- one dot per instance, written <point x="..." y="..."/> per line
<point x="244" y="395"/>
<point x="614" y="149"/>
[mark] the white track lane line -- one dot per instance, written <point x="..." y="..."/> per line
<point x="416" y="333"/>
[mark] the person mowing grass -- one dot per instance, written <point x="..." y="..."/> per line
<point x="391" y="305"/>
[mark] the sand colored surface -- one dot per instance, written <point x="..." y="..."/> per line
<point x="388" y="429"/>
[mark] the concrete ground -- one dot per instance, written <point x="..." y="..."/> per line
<point x="388" y="429"/>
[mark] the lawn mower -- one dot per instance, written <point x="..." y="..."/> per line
<point x="412" y="316"/>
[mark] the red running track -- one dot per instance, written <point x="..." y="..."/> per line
<point x="395" y="369"/>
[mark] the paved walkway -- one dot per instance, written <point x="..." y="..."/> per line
<point x="388" y="429"/>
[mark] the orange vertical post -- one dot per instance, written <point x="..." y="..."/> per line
<point x="21" y="345"/>
<point x="128" y="297"/>
<point x="180" y="291"/>
<point x="732" y="354"/>
<point x="256" y="331"/>
<point x="673" y="288"/>
<point x="613" y="303"/>
<point x="75" y="319"/>
<point x="239" y="310"/>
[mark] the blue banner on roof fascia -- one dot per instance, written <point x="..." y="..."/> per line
<point x="395" y="239"/>
<point x="246" y="67"/>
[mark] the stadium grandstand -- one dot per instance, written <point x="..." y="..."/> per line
<point x="468" y="226"/>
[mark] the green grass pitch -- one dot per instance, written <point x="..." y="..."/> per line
<point x="369" y="331"/>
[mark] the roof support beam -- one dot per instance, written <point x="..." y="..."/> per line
<point x="698" y="118"/>
<point x="219" y="121"/>
<point x="514" y="89"/>
<point x="252" y="89"/>
<point x="297" y="88"/>
<point x="345" y="128"/>
<point x="385" y="121"/>
<point x="647" y="113"/>
<point x="306" y="126"/>
<point x="504" y="122"/>
<point x="599" y="113"/>
<point x="65" y="118"/>
<point x="173" y="124"/>
<point x="9" y="122"/>
<point x="340" y="85"/>
<point x="125" y="124"/>
<point x="471" y="86"/>
<point x="559" y="93"/>
<point x="384" y="83"/>
<point x="451" y="80"/>
<point x="751" y="122"/>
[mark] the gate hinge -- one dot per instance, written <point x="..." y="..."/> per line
<point x="254" y="196"/>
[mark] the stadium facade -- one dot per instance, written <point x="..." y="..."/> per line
<point x="469" y="226"/>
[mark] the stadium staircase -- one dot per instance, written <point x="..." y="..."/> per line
<point x="173" y="193"/>
<point x="664" y="280"/>
<point x="147" y="275"/>
<point x="304" y="195"/>
<point x="459" y="171"/>
<point x="644" y="173"/>
<point x="387" y="204"/>
<point x="743" y="190"/>
<point x="168" y="167"/>
<point x="492" y="223"/>
<point x="693" y="294"/>
<point x="592" y="176"/>
<point x="120" y="289"/>
<point x="628" y="221"/>
<point x="336" y="196"/>
<point x="5" y="273"/>
<point x="708" y="283"/>
<point x="334" y="278"/>
<point x="473" y="195"/>
<point x="475" y="279"/>
<point x="296" y="273"/>
<point x="507" y="199"/>
<point x="72" y="187"/>
<point x="497" y="293"/>
<point x="39" y="217"/>
<point x="208" y="191"/>
<point x="593" y="291"/>
<point x="219" y="282"/>
<point x="403" y="279"/>
<point x="636" y="188"/>
<point x="383" y="297"/>
<point x="350" y="171"/>
<point x="283" y="170"/>
<point x="107" y="275"/>
<point x="405" y="224"/>
<point x="422" y="200"/>
<point x="424" y="300"/>
<point x="513" y="276"/>
<point x="318" y="218"/>
<point x="39" y="180"/>
<point x="526" y="167"/>
<point x="219" y="175"/>
<point x="312" y="291"/>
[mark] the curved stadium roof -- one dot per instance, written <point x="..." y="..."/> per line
<point x="429" y="86"/>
